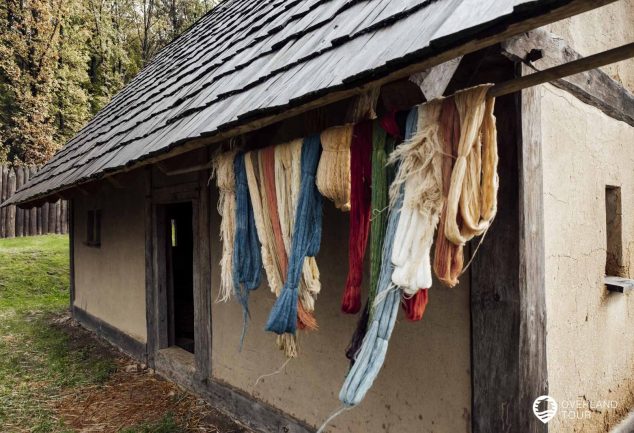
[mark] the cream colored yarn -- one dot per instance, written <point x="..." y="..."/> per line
<point x="474" y="180"/>
<point x="222" y="169"/>
<point x="420" y="176"/>
<point x="333" y="172"/>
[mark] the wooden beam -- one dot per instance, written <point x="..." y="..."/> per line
<point x="192" y="169"/>
<point x="202" y="279"/>
<point x="552" y="74"/>
<point x="71" y="251"/>
<point x="533" y="365"/>
<point x="508" y="305"/>
<point x="540" y="49"/>
<point x="115" y="182"/>
<point x="151" y="305"/>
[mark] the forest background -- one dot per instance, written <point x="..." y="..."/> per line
<point x="61" y="61"/>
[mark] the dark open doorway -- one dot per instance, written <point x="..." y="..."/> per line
<point x="179" y="272"/>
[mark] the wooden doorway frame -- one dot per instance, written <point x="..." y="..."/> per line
<point x="197" y="194"/>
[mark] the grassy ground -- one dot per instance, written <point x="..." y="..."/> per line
<point x="56" y="377"/>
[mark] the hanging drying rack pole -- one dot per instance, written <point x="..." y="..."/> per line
<point x="576" y="66"/>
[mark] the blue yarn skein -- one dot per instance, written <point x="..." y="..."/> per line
<point x="305" y="243"/>
<point x="247" y="259"/>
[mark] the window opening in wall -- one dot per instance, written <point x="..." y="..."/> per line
<point x="613" y="217"/>
<point x="173" y="236"/>
<point x="93" y="228"/>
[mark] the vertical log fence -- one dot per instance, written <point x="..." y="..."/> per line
<point x="14" y="222"/>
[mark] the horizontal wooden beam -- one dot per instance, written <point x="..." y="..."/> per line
<point x="192" y="169"/>
<point x="576" y="66"/>
<point x="540" y="49"/>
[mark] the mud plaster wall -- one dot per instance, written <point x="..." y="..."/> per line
<point x="590" y="343"/>
<point x="110" y="280"/>
<point x="425" y="385"/>
<point x="601" y="29"/>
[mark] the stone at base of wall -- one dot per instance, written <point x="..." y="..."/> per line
<point x="133" y="347"/>
<point x="254" y="414"/>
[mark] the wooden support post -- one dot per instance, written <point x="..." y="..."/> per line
<point x="151" y="310"/>
<point x="202" y="279"/>
<point x="508" y="303"/>
<point x="11" y="210"/>
<point x="71" y="251"/>
<point x="533" y="371"/>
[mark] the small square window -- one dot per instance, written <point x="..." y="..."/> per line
<point x="93" y="228"/>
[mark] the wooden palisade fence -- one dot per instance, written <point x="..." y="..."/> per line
<point x="48" y="218"/>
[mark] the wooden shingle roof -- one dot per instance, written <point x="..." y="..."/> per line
<point x="251" y="58"/>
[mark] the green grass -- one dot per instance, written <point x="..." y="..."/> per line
<point x="34" y="274"/>
<point x="38" y="360"/>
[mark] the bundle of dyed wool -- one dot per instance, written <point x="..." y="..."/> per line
<point x="371" y="355"/>
<point x="419" y="176"/>
<point x="273" y="176"/>
<point x="448" y="257"/>
<point x="223" y="170"/>
<point x="247" y="261"/>
<point x="474" y="180"/>
<point x="360" y="198"/>
<point x="471" y="198"/>
<point x="333" y="174"/>
<point x="288" y="181"/>
<point x="305" y="242"/>
<point x="382" y="146"/>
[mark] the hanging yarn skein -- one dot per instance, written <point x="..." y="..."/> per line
<point x="360" y="200"/>
<point x="448" y="257"/>
<point x="382" y="145"/>
<point x="288" y="157"/>
<point x="223" y="170"/>
<point x="372" y="353"/>
<point x="333" y="174"/>
<point x="474" y="180"/>
<point x="419" y="175"/>
<point x="305" y="242"/>
<point x="247" y="261"/>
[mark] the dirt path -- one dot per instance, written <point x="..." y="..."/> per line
<point x="133" y="396"/>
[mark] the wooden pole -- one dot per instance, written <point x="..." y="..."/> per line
<point x="45" y="218"/>
<point x="38" y="220"/>
<point x="27" y="212"/>
<point x="19" y="213"/>
<point x="555" y="73"/>
<point x="64" y="219"/>
<point x="51" y="217"/>
<point x="11" y="210"/>
<point x="58" y="217"/>
<point x="33" y="218"/>
<point x="3" y="182"/>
